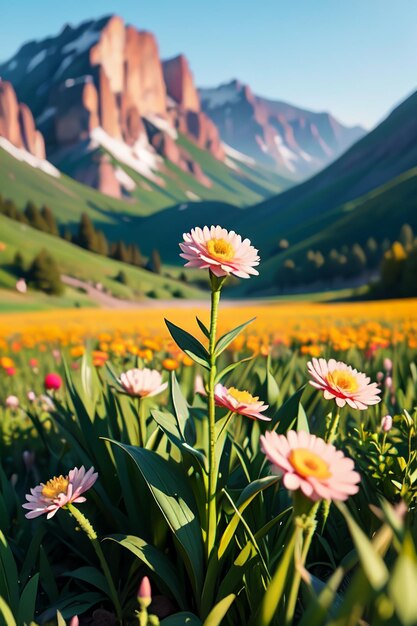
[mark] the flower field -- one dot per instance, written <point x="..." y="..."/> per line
<point x="163" y="468"/>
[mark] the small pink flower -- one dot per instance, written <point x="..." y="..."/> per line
<point x="145" y="591"/>
<point x="387" y="364"/>
<point x="241" y="402"/>
<point x="345" y="385"/>
<point x="386" y="423"/>
<point x="53" y="381"/>
<point x="31" y="396"/>
<point x="48" y="497"/>
<point x="222" y="252"/>
<point x="142" y="382"/>
<point x="199" y="386"/>
<point x="308" y="463"/>
<point x="12" y="402"/>
<point x="388" y="383"/>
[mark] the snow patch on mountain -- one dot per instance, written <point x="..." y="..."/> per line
<point x="124" y="179"/>
<point x="219" y="96"/>
<point x="37" y="59"/>
<point x="238" y="156"/>
<point x="87" y="39"/>
<point x="163" y="125"/>
<point x="64" y="65"/>
<point x="141" y="157"/>
<point x="45" y="115"/>
<point x="23" y="155"/>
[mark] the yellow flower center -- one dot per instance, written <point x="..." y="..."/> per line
<point x="55" y="486"/>
<point x="307" y="463"/>
<point x="220" y="249"/>
<point x="344" y="380"/>
<point x="244" y="397"/>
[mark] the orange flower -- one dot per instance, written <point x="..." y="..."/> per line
<point x="170" y="364"/>
<point x="77" y="351"/>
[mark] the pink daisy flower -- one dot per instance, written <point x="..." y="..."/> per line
<point x="308" y="463"/>
<point x="340" y="382"/>
<point x="58" y="492"/>
<point x="221" y="251"/>
<point x="142" y="382"/>
<point x="241" y="402"/>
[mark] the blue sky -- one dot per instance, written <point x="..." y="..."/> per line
<point x="355" y="58"/>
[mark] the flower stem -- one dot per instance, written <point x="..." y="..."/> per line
<point x="216" y="285"/>
<point x="142" y="423"/>
<point x="305" y="527"/>
<point x="86" y="526"/>
<point x="332" y="430"/>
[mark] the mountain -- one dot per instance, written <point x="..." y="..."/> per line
<point x="370" y="191"/>
<point x="108" y="107"/>
<point x="293" y="141"/>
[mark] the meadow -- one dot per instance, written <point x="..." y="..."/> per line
<point x="210" y="470"/>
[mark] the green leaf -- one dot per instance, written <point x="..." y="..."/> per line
<point x="288" y="412"/>
<point x="270" y="390"/>
<point x="157" y="562"/>
<point x="246" y="497"/>
<point x="168" y="424"/>
<point x="203" y="328"/>
<point x="27" y="603"/>
<point x="302" y="421"/>
<point x="403" y="583"/>
<point x="9" y="586"/>
<point x="217" y="613"/>
<point x="180" y="405"/>
<point x="372" y="563"/>
<point x="90" y="575"/>
<point x="227" y="338"/>
<point x="276" y="587"/>
<point x="6" y="615"/>
<point x="189" y="344"/>
<point x="172" y="493"/>
<point x="230" y="368"/>
<point x="181" y="619"/>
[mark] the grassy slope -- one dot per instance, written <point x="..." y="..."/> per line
<point x="379" y="213"/>
<point x="83" y="264"/>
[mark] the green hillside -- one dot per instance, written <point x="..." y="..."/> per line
<point x="84" y="265"/>
<point x="379" y="213"/>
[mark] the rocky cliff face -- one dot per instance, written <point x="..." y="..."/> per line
<point x="17" y="124"/>
<point x="297" y="142"/>
<point x="109" y="75"/>
<point x="185" y="109"/>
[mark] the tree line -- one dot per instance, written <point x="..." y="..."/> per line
<point x="348" y="262"/>
<point x="87" y="236"/>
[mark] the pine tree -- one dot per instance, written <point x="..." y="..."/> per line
<point x="406" y="236"/>
<point x="392" y="267"/>
<point x="34" y="217"/>
<point x="44" y="274"/>
<point x="102" y="243"/>
<point x="409" y="274"/>
<point x="372" y="252"/>
<point x="119" y="252"/>
<point x="137" y="258"/>
<point x="155" y="263"/>
<point x="49" y="220"/>
<point x="87" y="236"/>
<point x="356" y="261"/>
<point x="19" y="264"/>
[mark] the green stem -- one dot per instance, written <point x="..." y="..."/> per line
<point x="334" y="423"/>
<point x="92" y="535"/>
<point x="305" y="525"/>
<point x="212" y="482"/>
<point x="142" y="423"/>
